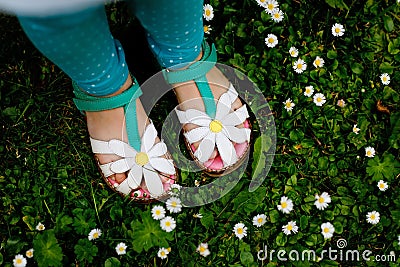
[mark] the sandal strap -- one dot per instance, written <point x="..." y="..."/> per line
<point x="126" y="99"/>
<point x="197" y="72"/>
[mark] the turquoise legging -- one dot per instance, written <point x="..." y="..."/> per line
<point x="82" y="46"/>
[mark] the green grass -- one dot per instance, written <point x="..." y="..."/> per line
<point x="47" y="173"/>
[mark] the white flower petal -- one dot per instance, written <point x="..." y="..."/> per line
<point x="121" y="149"/>
<point x="196" y="134"/>
<point x="226" y="150"/>
<point x="197" y="117"/>
<point x="237" y="135"/>
<point x="122" y="165"/>
<point x="124" y="187"/>
<point x="134" y="178"/>
<point x="149" y="138"/>
<point x="157" y="150"/>
<point x="223" y="106"/>
<point x="205" y="148"/>
<point x="163" y="165"/>
<point x="153" y="182"/>
<point x="237" y="117"/>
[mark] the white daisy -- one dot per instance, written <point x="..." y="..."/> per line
<point x="163" y="253"/>
<point x="309" y="91"/>
<point x="373" y="217"/>
<point x="277" y="15"/>
<point x="318" y="62"/>
<point x="259" y="220"/>
<point x="196" y="183"/>
<point x="168" y="224"/>
<point x="121" y="248"/>
<point x="29" y="253"/>
<point x="355" y="129"/>
<point x="270" y="6"/>
<point x="293" y="51"/>
<point x="322" y="201"/>
<point x="271" y="40"/>
<point x="262" y="3"/>
<point x="338" y="30"/>
<point x="240" y="230"/>
<point x="399" y="235"/>
<point x="299" y="66"/>
<point x="327" y="230"/>
<point x="286" y="205"/>
<point x="158" y="212"/>
<point x="40" y="227"/>
<point x="174" y="190"/>
<point x="203" y="249"/>
<point x="19" y="261"/>
<point x="288" y="104"/>
<point x="289" y="228"/>
<point x="385" y="78"/>
<point x="218" y="131"/>
<point x="208" y="12"/>
<point x="319" y="99"/>
<point x="144" y="164"/>
<point x="94" y="234"/>
<point x="198" y="215"/>
<point x="207" y="29"/>
<point x="370" y="152"/>
<point x="174" y="205"/>
<point x="341" y="103"/>
<point x="382" y="185"/>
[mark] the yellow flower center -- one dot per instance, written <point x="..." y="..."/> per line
<point x="174" y="204"/>
<point x="158" y="212"/>
<point x="326" y="230"/>
<point x="121" y="249"/>
<point x="271" y="6"/>
<point x="337" y="30"/>
<point x="169" y="249"/>
<point x="284" y="205"/>
<point x="202" y="249"/>
<point x="29" y="254"/>
<point x="317" y="62"/>
<point x="205" y="28"/>
<point x="289" y="227"/>
<point x="96" y="235"/>
<point x="260" y="220"/>
<point x="321" y="200"/>
<point x="308" y="90"/>
<point x="208" y="12"/>
<point x="381" y="186"/>
<point x="215" y="126"/>
<point x="293" y="53"/>
<point x="162" y="253"/>
<point x="372" y="216"/>
<point x="299" y="66"/>
<point x="288" y="104"/>
<point x="240" y="231"/>
<point x="141" y="158"/>
<point x="369" y="153"/>
<point x="277" y="15"/>
<point x="262" y="1"/>
<point x="168" y="224"/>
<point x="384" y="78"/>
<point x="18" y="261"/>
<point x="319" y="99"/>
<point x="271" y="40"/>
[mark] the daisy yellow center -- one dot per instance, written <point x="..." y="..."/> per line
<point x="319" y="99"/>
<point x="317" y="62"/>
<point x="260" y="220"/>
<point x="169" y="249"/>
<point x="121" y="249"/>
<point x="141" y="158"/>
<point x="372" y="216"/>
<point x="168" y="224"/>
<point x="384" y="78"/>
<point x="202" y="249"/>
<point x="308" y="90"/>
<point x="174" y="204"/>
<point x="299" y="66"/>
<point x="288" y="104"/>
<point x="162" y="253"/>
<point x="95" y="235"/>
<point x="326" y="230"/>
<point x="270" y="6"/>
<point x="355" y="129"/>
<point x="271" y="40"/>
<point x="208" y="12"/>
<point x="215" y="126"/>
<point x="240" y="231"/>
<point x="369" y="153"/>
<point x="321" y="200"/>
<point x="290" y="227"/>
<point x="381" y="185"/>
<point x="205" y="28"/>
<point x="277" y="15"/>
<point x="18" y="261"/>
<point x="29" y="254"/>
<point x="284" y="205"/>
<point x="337" y="30"/>
<point x="262" y="1"/>
<point x="158" y="212"/>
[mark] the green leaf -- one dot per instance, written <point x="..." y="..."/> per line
<point x="207" y="220"/>
<point x="337" y="4"/>
<point x="47" y="250"/>
<point x="281" y="239"/>
<point x="85" y="250"/>
<point x="388" y="23"/>
<point x="387" y="168"/>
<point x="84" y="220"/>
<point x="246" y="258"/>
<point x="357" y="68"/>
<point x="332" y="54"/>
<point x="1" y="258"/>
<point x="112" y="262"/>
<point x="274" y="216"/>
<point x="303" y="222"/>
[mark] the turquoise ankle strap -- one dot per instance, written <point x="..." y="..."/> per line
<point x="126" y="99"/>
<point x="197" y="72"/>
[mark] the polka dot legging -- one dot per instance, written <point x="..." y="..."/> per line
<point x="82" y="46"/>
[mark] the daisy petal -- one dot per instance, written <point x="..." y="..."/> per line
<point x="121" y="165"/>
<point x="157" y="150"/>
<point x="196" y="134"/>
<point x="121" y="149"/>
<point x="226" y="150"/>
<point x="153" y="182"/>
<point x="163" y="165"/>
<point x="124" y="187"/>
<point x="237" y="117"/>
<point x="148" y="138"/>
<point x="237" y="135"/>
<point x="223" y="106"/>
<point x="197" y="117"/>
<point x="134" y="178"/>
<point x="205" y="148"/>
